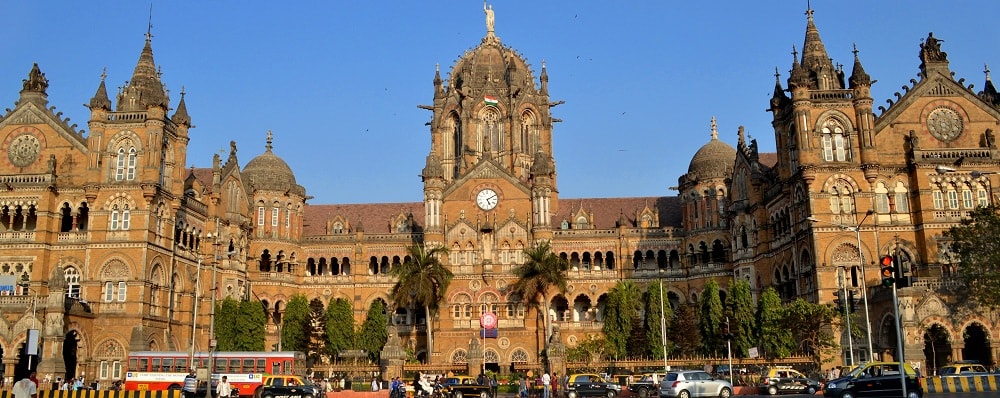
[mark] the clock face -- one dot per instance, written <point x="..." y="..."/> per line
<point x="944" y="124"/>
<point x="487" y="199"/>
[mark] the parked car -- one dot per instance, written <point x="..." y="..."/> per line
<point x="875" y="379"/>
<point x="591" y="385"/>
<point x="645" y="387"/>
<point x="963" y="369"/>
<point x="464" y="386"/>
<point x="784" y="379"/>
<point x="694" y="383"/>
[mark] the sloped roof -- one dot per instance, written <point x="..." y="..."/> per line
<point x="608" y="210"/>
<point x="373" y="216"/>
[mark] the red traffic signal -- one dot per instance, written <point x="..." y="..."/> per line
<point x="888" y="271"/>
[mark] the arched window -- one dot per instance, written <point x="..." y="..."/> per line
<point x="881" y="198"/>
<point x="72" y="276"/>
<point x="982" y="198"/>
<point x="841" y="198"/>
<point x="490" y="133"/>
<point x="834" y="142"/>
<point x="938" y="198"/>
<point x="120" y="165"/>
<point x="901" y="198"/>
<point x="952" y="198"/>
<point x="130" y="168"/>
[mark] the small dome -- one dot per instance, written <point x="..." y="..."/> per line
<point x="714" y="159"/>
<point x="267" y="171"/>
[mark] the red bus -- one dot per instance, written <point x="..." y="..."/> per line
<point x="165" y="370"/>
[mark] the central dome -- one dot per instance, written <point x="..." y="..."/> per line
<point x="714" y="159"/>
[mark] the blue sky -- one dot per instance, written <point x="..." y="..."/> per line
<point x="338" y="82"/>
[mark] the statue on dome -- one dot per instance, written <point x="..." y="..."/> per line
<point x="489" y="17"/>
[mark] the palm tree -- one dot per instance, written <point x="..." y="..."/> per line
<point x="422" y="281"/>
<point x="543" y="269"/>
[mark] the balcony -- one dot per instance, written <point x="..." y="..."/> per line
<point x="73" y="237"/>
<point x="17" y="236"/>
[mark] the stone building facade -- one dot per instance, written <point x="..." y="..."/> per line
<point x="115" y="246"/>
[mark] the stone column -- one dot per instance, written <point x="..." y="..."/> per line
<point x="475" y="357"/>
<point x="556" y="353"/>
<point x="393" y="356"/>
<point x="956" y="352"/>
<point x="53" y="330"/>
<point x="9" y="362"/>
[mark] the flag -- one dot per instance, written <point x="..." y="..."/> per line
<point x="490" y="100"/>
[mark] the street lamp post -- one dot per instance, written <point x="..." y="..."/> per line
<point x="864" y="288"/>
<point x="194" y="310"/>
<point x="842" y="281"/>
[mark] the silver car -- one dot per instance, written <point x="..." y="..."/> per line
<point x="694" y="383"/>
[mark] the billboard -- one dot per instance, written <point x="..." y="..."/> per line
<point x="7" y="283"/>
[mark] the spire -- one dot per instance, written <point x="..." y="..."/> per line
<point x="438" y="89"/>
<point x="989" y="93"/>
<point x="545" y="80"/>
<point x="816" y="60"/>
<point x="270" y="138"/>
<point x="778" y="98"/>
<point x="715" y="132"/>
<point x="798" y="77"/>
<point x="145" y="88"/>
<point x="181" y="115"/>
<point x="33" y="89"/>
<point x="100" y="99"/>
<point x="858" y="75"/>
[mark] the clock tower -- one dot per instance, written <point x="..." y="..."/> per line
<point x="489" y="181"/>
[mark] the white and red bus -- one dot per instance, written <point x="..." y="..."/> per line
<point x="165" y="370"/>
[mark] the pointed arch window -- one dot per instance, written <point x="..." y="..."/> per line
<point x="72" y="276"/>
<point x="982" y="198"/>
<point x="967" y="201"/>
<point x="901" y="198"/>
<point x="130" y="167"/>
<point x="881" y="198"/>
<point x="529" y="137"/>
<point x="841" y="198"/>
<point x="834" y="142"/>
<point x="490" y="134"/>
<point x="938" y="199"/>
<point x="952" y="198"/>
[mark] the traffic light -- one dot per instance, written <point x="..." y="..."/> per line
<point x="837" y="302"/>
<point x="724" y="329"/>
<point x="852" y="301"/>
<point x="888" y="271"/>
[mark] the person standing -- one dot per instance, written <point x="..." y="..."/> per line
<point x="25" y="388"/>
<point x="546" y="385"/>
<point x="223" y="390"/>
<point x="190" y="384"/>
<point x="375" y="385"/>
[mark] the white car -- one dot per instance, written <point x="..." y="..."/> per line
<point x="694" y="383"/>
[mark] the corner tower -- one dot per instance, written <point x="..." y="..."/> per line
<point x="490" y="159"/>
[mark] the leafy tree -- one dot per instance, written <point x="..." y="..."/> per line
<point x="592" y="350"/>
<point x="374" y="331"/>
<point x="773" y="336"/>
<point x="421" y="282"/>
<point x="684" y="331"/>
<point x="710" y="318"/>
<point x="317" y="330"/>
<point x="742" y="323"/>
<point x="542" y="269"/>
<point x="637" y="344"/>
<point x="295" y="328"/>
<point x="226" y="318"/>
<point x="620" y="310"/>
<point x="976" y="241"/>
<point x="251" y="327"/>
<point x="340" y="326"/>
<point x="654" y="329"/>
<point x="810" y="324"/>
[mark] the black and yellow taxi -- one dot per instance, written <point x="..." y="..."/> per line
<point x="785" y="380"/>
<point x="286" y="386"/>
<point x="464" y="386"/>
<point x="591" y="385"/>
<point x="876" y="379"/>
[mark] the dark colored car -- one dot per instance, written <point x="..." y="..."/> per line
<point x="785" y="380"/>
<point x="876" y="379"/>
<point x="644" y="387"/>
<point x="591" y="385"/>
<point x="287" y="386"/>
<point x="464" y="386"/>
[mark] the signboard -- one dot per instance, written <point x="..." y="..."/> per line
<point x="488" y="320"/>
<point x="753" y="352"/>
<point x="488" y="333"/>
<point x="7" y="283"/>
<point x="32" y="348"/>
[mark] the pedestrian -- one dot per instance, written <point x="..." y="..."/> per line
<point x="555" y="385"/>
<point x="375" y="384"/>
<point x="223" y="390"/>
<point x="522" y="387"/>
<point x="546" y="385"/>
<point x="65" y="385"/>
<point x="25" y="388"/>
<point x="493" y="386"/>
<point x="190" y="384"/>
<point x="564" y="384"/>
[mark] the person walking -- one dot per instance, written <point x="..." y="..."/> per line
<point x="375" y="384"/>
<point x="25" y="389"/>
<point x="546" y="385"/>
<point x="223" y="390"/>
<point x="190" y="384"/>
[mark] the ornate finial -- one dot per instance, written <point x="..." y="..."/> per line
<point x="777" y="75"/>
<point x="437" y="67"/>
<point x="715" y="133"/>
<point x="149" y="25"/>
<point x="795" y="53"/>
<point x="489" y="18"/>
<point x="543" y="64"/>
<point x="270" y="137"/>
<point x="986" y="69"/>
<point x="104" y="74"/>
<point x="809" y="10"/>
<point x="855" y="51"/>
<point x="183" y="91"/>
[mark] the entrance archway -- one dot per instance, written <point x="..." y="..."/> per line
<point x="937" y="346"/>
<point x="491" y="360"/>
<point x="70" y="345"/>
<point x="977" y="344"/>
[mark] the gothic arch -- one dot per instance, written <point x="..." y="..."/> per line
<point x="115" y="269"/>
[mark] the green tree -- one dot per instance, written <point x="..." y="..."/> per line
<point x="250" y="327"/>
<point x="295" y="328"/>
<point x="684" y="331"/>
<point x="340" y="333"/>
<point x="226" y="318"/>
<point x="621" y="309"/>
<point x="810" y="324"/>
<point x="542" y="269"/>
<point x="773" y="337"/>
<point x="374" y="331"/>
<point x="654" y="329"/>
<point x="710" y="318"/>
<point x="976" y="241"/>
<point x="317" y="330"/>
<point x="421" y="282"/>
<point x="742" y="322"/>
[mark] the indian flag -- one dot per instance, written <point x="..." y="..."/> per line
<point x="490" y="100"/>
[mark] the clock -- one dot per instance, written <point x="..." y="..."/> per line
<point x="487" y="199"/>
<point x="944" y="124"/>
